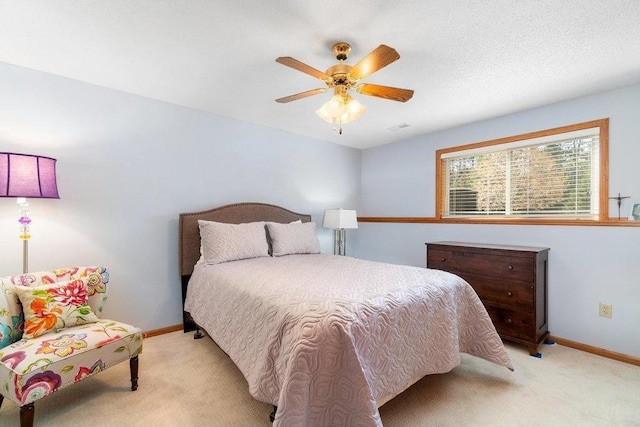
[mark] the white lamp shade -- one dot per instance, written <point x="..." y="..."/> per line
<point x="340" y="218"/>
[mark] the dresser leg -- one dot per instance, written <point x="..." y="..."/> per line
<point x="533" y="351"/>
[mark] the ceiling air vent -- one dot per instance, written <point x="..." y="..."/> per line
<point x="398" y="127"/>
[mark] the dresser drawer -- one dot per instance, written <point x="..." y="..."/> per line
<point x="505" y="267"/>
<point x="512" y="324"/>
<point x="516" y="295"/>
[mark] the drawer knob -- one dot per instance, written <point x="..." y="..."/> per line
<point x="510" y="294"/>
<point x="509" y="320"/>
<point x="511" y="267"/>
<point x="443" y="259"/>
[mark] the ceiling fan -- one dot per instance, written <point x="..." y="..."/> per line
<point x="342" y="108"/>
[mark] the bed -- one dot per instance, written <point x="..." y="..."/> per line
<point x="326" y="339"/>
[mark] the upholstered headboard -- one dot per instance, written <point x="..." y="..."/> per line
<point x="238" y="213"/>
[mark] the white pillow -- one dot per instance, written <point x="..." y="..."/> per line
<point x="201" y="259"/>
<point x="297" y="221"/>
<point x="294" y="238"/>
<point x="223" y="242"/>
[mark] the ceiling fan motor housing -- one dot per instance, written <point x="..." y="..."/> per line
<point x="340" y="75"/>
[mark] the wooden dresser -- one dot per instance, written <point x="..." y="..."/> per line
<point x="511" y="281"/>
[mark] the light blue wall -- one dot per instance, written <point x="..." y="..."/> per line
<point x="587" y="265"/>
<point x="127" y="166"/>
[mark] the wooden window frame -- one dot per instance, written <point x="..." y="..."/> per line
<point x="603" y="210"/>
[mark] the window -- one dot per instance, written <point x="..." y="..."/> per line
<point x="557" y="173"/>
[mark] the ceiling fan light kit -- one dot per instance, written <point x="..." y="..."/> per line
<point x="342" y="108"/>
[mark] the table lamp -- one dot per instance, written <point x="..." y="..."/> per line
<point x="340" y="220"/>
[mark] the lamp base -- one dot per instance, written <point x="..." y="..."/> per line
<point x="25" y="256"/>
<point x="339" y="241"/>
<point x="25" y="235"/>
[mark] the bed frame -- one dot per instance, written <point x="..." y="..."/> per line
<point x="189" y="236"/>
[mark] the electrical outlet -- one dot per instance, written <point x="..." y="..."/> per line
<point x="606" y="310"/>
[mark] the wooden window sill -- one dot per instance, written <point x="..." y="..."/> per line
<point x="622" y="222"/>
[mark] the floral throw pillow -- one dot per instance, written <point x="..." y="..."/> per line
<point x="55" y="306"/>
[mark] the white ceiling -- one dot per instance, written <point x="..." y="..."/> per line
<point x="467" y="60"/>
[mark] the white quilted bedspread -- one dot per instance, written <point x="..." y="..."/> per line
<point x="329" y="339"/>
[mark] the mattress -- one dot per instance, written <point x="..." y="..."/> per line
<point x="329" y="339"/>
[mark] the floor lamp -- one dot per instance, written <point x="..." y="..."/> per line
<point x="27" y="176"/>
<point x="340" y="220"/>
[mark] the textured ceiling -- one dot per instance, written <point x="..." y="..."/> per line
<point x="467" y="60"/>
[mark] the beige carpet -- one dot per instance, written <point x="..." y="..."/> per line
<point x="186" y="382"/>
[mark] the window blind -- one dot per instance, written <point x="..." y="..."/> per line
<point x="557" y="175"/>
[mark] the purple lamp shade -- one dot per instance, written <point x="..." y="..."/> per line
<point x="26" y="175"/>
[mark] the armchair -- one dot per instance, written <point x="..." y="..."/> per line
<point x="51" y="334"/>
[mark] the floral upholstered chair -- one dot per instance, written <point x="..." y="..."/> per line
<point x="51" y="334"/>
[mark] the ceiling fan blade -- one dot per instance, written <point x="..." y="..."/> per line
<point x="378" y="58"/>
<point x="302" y="95"/>
<point x="301" y="66"/>
<point x="386" y="92"/>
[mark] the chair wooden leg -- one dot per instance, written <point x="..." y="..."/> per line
<point x="26" y="415"/>
<point x="133" y="365"/>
